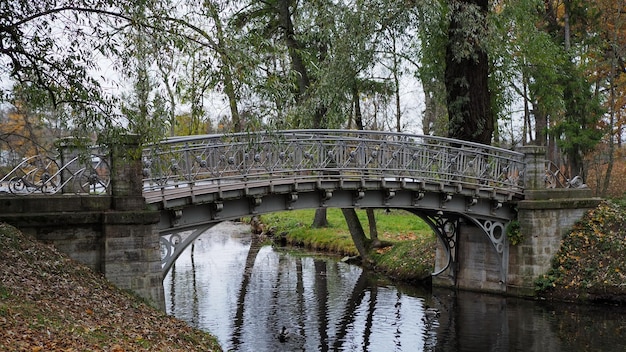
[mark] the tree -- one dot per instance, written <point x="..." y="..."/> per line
<point x="467" y="72"/>
<point x="55" y="47"/>
<point x="29" y="129"/>
<point x="547" y="60"/>
<point x="432" y="34"/>
<point x="59" y="47"/>
<point x="578" y="129"/>
<point x="602" y="64"/>
<point x="527" y="66"/>
<point x="613" y="61"/>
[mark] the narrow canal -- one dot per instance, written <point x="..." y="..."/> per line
<point x="258" y="298"/>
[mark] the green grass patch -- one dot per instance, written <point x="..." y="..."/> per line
<point x="410" y="257"/>
<point x="408" y="260"/>
<point x="392" y="225"/>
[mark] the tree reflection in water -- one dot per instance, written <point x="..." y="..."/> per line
<point x="245" y="294"/>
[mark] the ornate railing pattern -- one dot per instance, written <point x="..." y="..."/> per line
<point x="329" y="154"/>
<point x="85" y="173"/>
<point x="297" y="155"/>
<point x="556" y="177"/>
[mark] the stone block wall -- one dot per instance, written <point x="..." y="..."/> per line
<point x="480" y="265"/>
<point x="121" y="244"/>
<point x="545" y="217"/>
<point x="131" y="253"/>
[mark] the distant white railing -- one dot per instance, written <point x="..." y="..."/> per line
<point x="87" y="172"/>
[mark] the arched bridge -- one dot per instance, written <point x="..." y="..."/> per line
<point x="201" y="180"/>
<point x="195" y="182"/>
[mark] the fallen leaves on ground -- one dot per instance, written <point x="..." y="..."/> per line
<point x="590" y="262"/>
<point x="401" y="236"/>
<point x="49" y="302"/>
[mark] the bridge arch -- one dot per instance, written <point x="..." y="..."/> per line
<point x="443" y="212"/>
<point x="201" y="180"/>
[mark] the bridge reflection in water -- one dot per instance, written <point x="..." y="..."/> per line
<point x="245" y="294"/>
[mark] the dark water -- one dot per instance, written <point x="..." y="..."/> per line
<point x="245" y="294"/>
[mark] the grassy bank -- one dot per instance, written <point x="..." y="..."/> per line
<point x="591" y="264"/>
<point x="409" y="258"/>
<point x="48" y="302"/>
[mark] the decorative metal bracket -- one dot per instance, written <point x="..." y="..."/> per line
<point x="446" y="228"/>
<point x="358" y="195"/>
<point x="291" y="198"/>
<point x="176" y="215"/>
<point x="254" y="203"/>
<point x="496" y="232"/>
<point x="173" y="244"/>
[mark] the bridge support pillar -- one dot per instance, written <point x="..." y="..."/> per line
<point x="131" y="253"/>
<point x="545" y="217"/>
<point x="131" y="241"/>
<point x="478" y="263"/>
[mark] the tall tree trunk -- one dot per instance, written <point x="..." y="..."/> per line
<point x="371" y="220"/>
<point x="358" y="115"/>
<point x="396" y="81"/>
<point x="466" y="75"/>
<point x="541" y="126"/>
<point x="293" y="47"/>
<point x="527" y="135"/>
<point x="611" y="146"/>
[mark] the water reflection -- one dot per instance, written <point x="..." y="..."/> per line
<point x="245" y="294"/>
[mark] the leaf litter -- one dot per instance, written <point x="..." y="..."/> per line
<point x="49" y="302"/>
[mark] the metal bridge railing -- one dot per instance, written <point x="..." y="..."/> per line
<point x="296" y="155"/>
<point x="87" y="172"/>
<point x="555" y="177"/>
<point x="325" y="154"/>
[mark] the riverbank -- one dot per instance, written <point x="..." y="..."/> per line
<point x="590" y="266"/>
<point x="408" y="253"/>
<point x="48" y="302"/>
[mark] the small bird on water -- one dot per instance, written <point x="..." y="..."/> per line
<point x="283" y="335"/>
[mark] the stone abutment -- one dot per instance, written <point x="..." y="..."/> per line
<point x="114" y="234"/>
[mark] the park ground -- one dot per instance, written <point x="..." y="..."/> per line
<point x="50" y="303"/>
